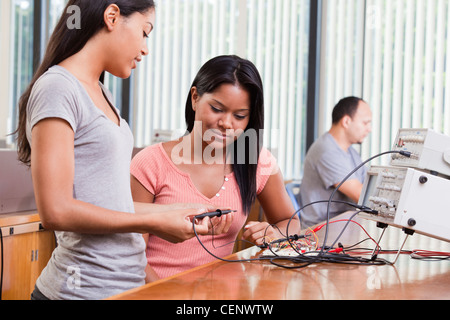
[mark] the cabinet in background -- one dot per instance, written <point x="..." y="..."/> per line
<point x="26" y="251"/>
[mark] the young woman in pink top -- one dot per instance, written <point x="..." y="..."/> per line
<point x="221" y="162"/>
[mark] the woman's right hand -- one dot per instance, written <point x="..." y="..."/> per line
<point x="178" y="225"/>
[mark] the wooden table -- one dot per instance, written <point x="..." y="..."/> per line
<point x="407" y="279"/>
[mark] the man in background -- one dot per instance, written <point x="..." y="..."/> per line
<point x="331" y="158"/>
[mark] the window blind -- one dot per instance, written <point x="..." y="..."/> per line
<point x="406" y="64"/>
<point x="395" y="54"/>
<point x="272" y="34"/>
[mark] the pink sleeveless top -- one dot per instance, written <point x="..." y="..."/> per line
<point x="154" y="169"/>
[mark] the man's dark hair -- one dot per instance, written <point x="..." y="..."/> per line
<point x="345" y="107"/>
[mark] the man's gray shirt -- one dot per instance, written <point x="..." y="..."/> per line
<point x="326" y="164"/>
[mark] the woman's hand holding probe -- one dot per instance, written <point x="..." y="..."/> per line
<point x="173" y="222"/>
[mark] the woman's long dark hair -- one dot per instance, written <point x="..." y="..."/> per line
<point x="66" y="42"/>
<point x="236" y="71"/>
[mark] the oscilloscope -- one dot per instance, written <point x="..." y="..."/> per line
<point x="412" y="193"/>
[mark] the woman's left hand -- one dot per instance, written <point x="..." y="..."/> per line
<point x="221" y="224"/>
<point x="260" y="232"/>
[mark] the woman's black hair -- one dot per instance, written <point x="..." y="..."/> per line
<point x="231" y="69"/>
<point x="66" y="42"/>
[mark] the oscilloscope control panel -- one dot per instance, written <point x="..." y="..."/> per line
<point x="408" y="198"/>
<point x="429" y="149"/>
<point x="384" y="190"/>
